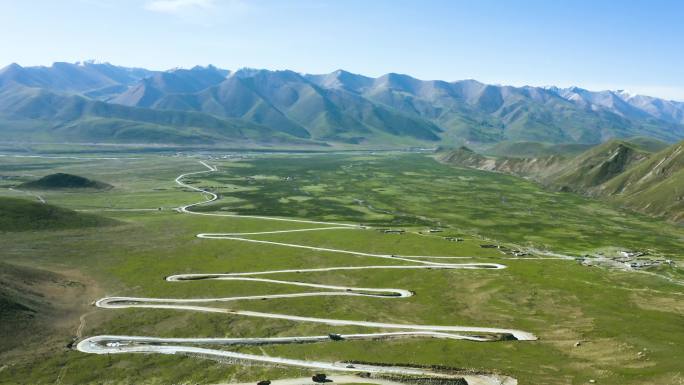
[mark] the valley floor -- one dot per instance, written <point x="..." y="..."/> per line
<point x="617" y="327"/>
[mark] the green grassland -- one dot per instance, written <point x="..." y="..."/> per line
<point x="22" y="215"/>
<point x="414" y="190"/>
<point x="138" y="182"/>
<point x="615" y="314"/>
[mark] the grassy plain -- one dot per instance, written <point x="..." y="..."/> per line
<point x="615" y="314"/>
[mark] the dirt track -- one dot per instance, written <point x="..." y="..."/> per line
<point x="140" y="344"/>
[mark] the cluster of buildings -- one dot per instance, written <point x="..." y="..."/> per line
<point x="392" y="231"/>
<point x="640" y="260"/>
<point x="626" y="259"/>
<point x="506" y="250"/>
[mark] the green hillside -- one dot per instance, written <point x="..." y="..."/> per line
<point x="649" y="144"/>
<point x="542" y="168"/>
<point x="655" y="186"/>
<point x="463" y="156"/>
<point x="38" y="308"/>
<point x="526" y="149"/>
<point x="620" y="171"/>
<point x="598" y="165"/>
<point x="64" y="181"/>
<point x="23" y="215"/>
<point x="20" y="303"/>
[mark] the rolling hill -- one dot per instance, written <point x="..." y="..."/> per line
<point x="542" y="168"/>
<point x="23" y="215"/>
<point x="597" y="165"/>
<point x="90" y="102"/>
<point x="655" y="185"/>
<point x="21" y="301"/>
<point x="38" y="308"/>
<point x="64" y="181"/>
<point x="620" y="171"/>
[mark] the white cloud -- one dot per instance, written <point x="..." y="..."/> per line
<point x="207" y="13"/>
<point x="178" y="7"/>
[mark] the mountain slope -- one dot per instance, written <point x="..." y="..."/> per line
<point x="293" y="104"/>
<point x="598" y="165"/>
<point x="667" y="110"/>
<point x="39" y="307"/>
<point x="149" y="90"/>
<point x="237" y="99"/>
<point x="525" y="149"/>
<point x="648" y="144"/>
<point x="37" y="114"/>
<point x="342" y="106"/>
<point x="652" y="183"/>
<point x="487" y="113"/>
<point x="542" y="169"/>
<point x="654" y="186"/>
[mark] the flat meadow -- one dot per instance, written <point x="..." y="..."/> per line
<point x="628" y="324"/>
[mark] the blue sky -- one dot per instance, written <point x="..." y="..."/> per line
<point x="600" y="44"/>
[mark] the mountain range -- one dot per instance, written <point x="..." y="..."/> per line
<point x="100" y="102"/>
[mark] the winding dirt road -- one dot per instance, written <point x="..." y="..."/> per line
<point x="38" y="197"/>
<point x="108" y="344"/>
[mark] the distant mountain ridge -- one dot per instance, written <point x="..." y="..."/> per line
<point x="88" y="78"/>
<point x="341" y="107"/>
